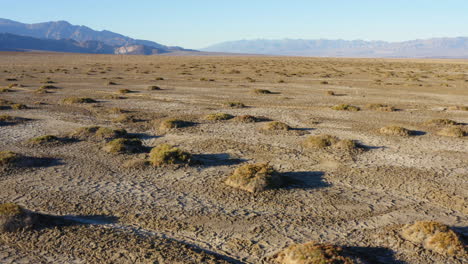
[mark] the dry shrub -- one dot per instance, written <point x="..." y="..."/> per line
<point x="395" y="131"/>
<point x="246" y="119"/>
<point x="41" y="91"/>
<point x="173" y="123"/>
<point x="154" y="88"/>
<point x="452" y="132"/>
<point x="346" y="107"/>
<point x="111" y="83"/>
<point x="434" y="236"/>
<point x="255" y="178"/>
<point x="13" y="218"/>
<point x="8" y="158"/>
<point x="325" y="141"/>
<point x="313" y="253"/>
<point x="218" y="116"/>
<point x="124" y="145"/>
<point x="18" y="106"/>
<point x="381" y="107"/>
<point x="98" y="133"/>
<point x="78" y="100"/>
<point x="275" y="126"/>
<point x="46" y="139"/>
<point x="7" y="119"/>
<point x="5" y="90"/>
<point x="234" y="104"/>
<point x="331" y="93"/>
<point x="166" y="154"/>
<point x="124" y="118"/>
<point x="262" y="91"/>
<point x="458" y="108"/>
<point x="441" y="122"/>
<point x="125" y="91"/>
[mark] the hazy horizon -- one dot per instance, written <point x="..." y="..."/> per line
<point x="197" y="25"/>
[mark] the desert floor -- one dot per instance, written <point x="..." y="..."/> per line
<point x="118" y="213"/>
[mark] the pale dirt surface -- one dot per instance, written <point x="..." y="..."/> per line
<point x="187" y="214"/>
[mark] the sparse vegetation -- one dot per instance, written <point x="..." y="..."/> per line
<point x="346" y="107"/>
<point x="255" y="178"/>
<point x="441" y="122"/>
<point x="276" y="126"/>
<point x="246" y="119"/>
<point x="44" y="139"/>
<point x="331" y="93"/>
<point x="381" y="107"/>
<point x="262" y="91"/>
<point x="13" y="218"/>
<point x="153" y="88"/>
<point x="452" y="132"/>
<point x="313" y="253"/>
<point x="234" y="104"/>
<point x="124" y="145"/>
<point x="98" y="133"/>
<point x="434" y="236"/>
<point x="78" y="100"/>
<point x="124" y="118"/>
<point x="166" y="154"/>
<point x="218" y="116"/>
<point x="324" y="141"/>
<point x="173" y="123"/>
<point x="8" y="158"/>
<point x="125" y="91"/>
<point x="395" y="131"/>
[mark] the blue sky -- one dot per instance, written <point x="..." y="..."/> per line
<point x="197" y="24"/>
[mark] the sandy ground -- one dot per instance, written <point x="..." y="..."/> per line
<point x="187" y="214"/>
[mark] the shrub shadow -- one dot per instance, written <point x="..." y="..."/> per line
<point x="417" y="133"/>
<point x="304" y="180"/>
<point x="44" y="221"/>
<point x="218" y="159"/>
<point x="374" y="254"/>
<point x="35" y="162"/>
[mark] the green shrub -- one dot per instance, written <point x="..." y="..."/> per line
<point x="166" y="154"/>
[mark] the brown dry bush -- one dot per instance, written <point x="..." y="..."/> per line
<point x="331" y="93"/>
<point x="395" y="131"/>
<point x="124" y="118"/>
<point x="5" y="90"/>
<point x="381" y="107"/>
<point x="458" y="108"/>
<point x="153" y="88"/>
<point x="98" y="133"/>
<point x="313" y="253"/>
<point x="452" y="132"/>
<point x="234" y="104"/>
<point x="275" y="126"/>
<point x="434" y="236"/>
<point x="125" y="91"/>
<point x="246" y="119"/>
<point x="46" y="139"/>
<point x="124" y="145"/>
<point x="78" y="100"/>
<point x="8" y="158"/>
<point x="218" y="116"/>
<point x="13" y="218"/>
<point x="166" y="154"/>
<point x="173" y="123"/>
<point x="255" y="178"/>
<point x="441" y="122"/>
<point x="346" y="107"/>
<point x="262" y="91"/>
<point x="325" y="141"/>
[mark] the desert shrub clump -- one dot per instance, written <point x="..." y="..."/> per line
<point x="262" y="91"/>
<point x="166" y="154"/>
<point x="172" y="123"/>
<point x="395" y="131"/>
<point x="452" y="132"/>
<point x="381" y="107"/>
<point x="246" y="119"/>
<point x="346" y="107"/>
<point x="218" y="116"/>
<point x="44" y="139"/>
<point x="255" y="178"/>
<point x="98" y="133"/>
<point x="13" y="217"/>
<point x="78" y="100"/>
<point x="313" y="253"/>
<point x="441" y="122"/>
<point x="153" y="88"/>
<point x="275" y="126"/>
<point x="8" y="157"/>
<point x="331" y="93"/>
<point x="125" y="91"/>
<point x="124" y="145"/>
<point x="434" y="236"/>
<point x="325" y="141"/>
<point x="234" y="104"/>
<point x="5" y="90"/>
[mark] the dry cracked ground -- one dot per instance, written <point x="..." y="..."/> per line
<point x="115" y="208"/>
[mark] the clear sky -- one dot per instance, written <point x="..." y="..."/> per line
<point x="197" y="24"/>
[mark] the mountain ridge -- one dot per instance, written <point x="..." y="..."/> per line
<point x="456" y="47"/>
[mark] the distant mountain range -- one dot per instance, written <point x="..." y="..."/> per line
<point x="62" y="36"/>
<point x="426" y="48"/>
